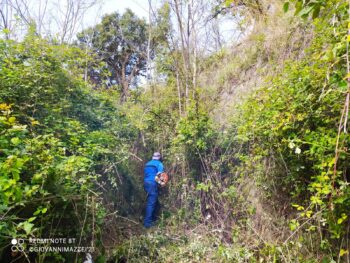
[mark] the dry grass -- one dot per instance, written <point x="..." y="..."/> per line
<point x="260" y="55"/>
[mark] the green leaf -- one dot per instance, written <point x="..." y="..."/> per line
<point x="37" y="212"/>
<point x="298" y="7"/>
<point x="6" y="31"/>
<point x="37" y="176"/>
<point x="286" y="7"/>
<point x="343" y="252"/>
<point x="316" y="11"/>
<point x="27" y="227"/>
<point x="15" y="141"/>
<point x="316" y="200"/>
<point x="340" y="220"/>
<point x="306" y="11"/>
<point x="308" y="214"/>
<point x="12" y="120"/>
<point x="31" y="219"/>
<point x="293" y="224"/>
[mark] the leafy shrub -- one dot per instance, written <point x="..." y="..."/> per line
<point x="59" y="141"/>
<point x="295" y="120"/>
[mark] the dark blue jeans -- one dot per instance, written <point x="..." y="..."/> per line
<point x="152" y="205"/>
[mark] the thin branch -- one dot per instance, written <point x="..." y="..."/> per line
<point x="301" y="226"/>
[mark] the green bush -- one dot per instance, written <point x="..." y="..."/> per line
<point x="295" y="121"/>
<point x="59" y="140"/>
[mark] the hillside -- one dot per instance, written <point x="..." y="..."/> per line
<point x="253" y="135"/>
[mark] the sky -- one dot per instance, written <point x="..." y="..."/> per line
<point x="139" y="7"/>
<point x="50" y="15"/>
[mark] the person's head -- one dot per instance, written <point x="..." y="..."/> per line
<point x="157" y="156"/>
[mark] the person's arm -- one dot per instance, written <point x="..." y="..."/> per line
<point x="160" y="168"/>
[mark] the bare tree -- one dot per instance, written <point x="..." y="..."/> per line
<point x="49" y="17"/>
<point x="71" y="13"/>
<point x="42" y="10"/>
<point x="9" y="10"/>
<point x="5" y="15"/>
<point x="198" y="33"/>
<point x="182" y="24"/>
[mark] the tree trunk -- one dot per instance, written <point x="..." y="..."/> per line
<point x="125" y="86"/>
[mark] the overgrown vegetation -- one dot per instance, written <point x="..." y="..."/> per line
<point x="254" y="137"/>
<point x="61" y="144"/>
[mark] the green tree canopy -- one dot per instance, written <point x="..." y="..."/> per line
<point x="121" y="41"/>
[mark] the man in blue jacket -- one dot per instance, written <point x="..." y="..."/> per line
<point x="151" y="170"/>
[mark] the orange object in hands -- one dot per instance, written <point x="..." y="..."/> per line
<point x="162" y="179"/>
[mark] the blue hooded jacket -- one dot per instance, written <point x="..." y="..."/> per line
<point x="152" y="168"/>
